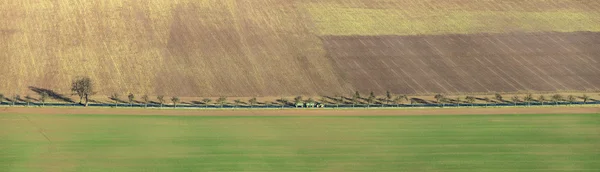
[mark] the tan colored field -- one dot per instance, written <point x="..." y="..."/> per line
<point x="231" y="47"/>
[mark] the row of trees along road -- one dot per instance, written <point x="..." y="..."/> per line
<point x="84" y="88"/>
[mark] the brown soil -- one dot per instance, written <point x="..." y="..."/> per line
<point x="468" y="63"/>
<point x="304" y="112"/>
<point x="268" y="48"/>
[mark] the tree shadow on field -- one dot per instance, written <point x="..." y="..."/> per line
<point x="420" y="101"/>
<point x="117" y="99"/>
<point x="51" y="94"/>
<point x="194" y="102"/>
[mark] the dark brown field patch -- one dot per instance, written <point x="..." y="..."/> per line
<point x="468" y="63"/>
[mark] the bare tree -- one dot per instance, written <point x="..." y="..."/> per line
<point x="388" y="97"/>
<point x="542" y="99"/>
<point x="175" y="100"/>
<point x="237" y="102"/>
<point x="585" y="98"/>
<point x="571" y="99"/>
<point x="487" y="101"/>
<point x="458" y="100"/>
<point x="298" y="101"/>
<point x="43" y="97"/>
<point x="1" y="98"/>
<point x="557" y="98"/>
<point x="515" y="99"/>
<point x="284" y="102"/>
<point x="499" y="97"/>
<point x="338" y="100"/>
<point x="83" y="87"/>
<point x="146" y="100"/>
<point x="528" y="98"/>
<point x="28" y="99"/>
<point x="206" y="101"/>
<point x="222" y="101"/>
<point x="471" y="100"/>
<point x="399" y="99"/>
<point x="371" y="99"/>
<point x="15" y="99"/>
<point x="323" y="100"/>
<point x="310" y="102"/>
<point x="439" y="98"/>
<point x="252" y="102"/>
<point x="355" y="98"/>
<point x="161" y="100"/>
<point x="130" y="97"/>
<point x="115" y="97"/>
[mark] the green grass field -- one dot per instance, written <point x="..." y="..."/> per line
<point x="566" y="142"/>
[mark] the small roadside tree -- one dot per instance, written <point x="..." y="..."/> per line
<point x="310" y="102"/>
<point x="528" y="98"/>
<point x="585" y="98"/>
<point x="237" y="102"/>
<point x="222" y="101"/>
<point x="161" y="100"/>
<point x="440" y="99"/>
<point x="515" y="100"/>
<point x="399" y="99"/>
<point x="470" y="99"/>
<point x="206" y="101"/>
<point x="284" y="102"/>
<point x="355" y="98"/>
<point x="115" y="97"/>
<point x="499" y="97"/>
<point x="542" y="99"/>
<point x="15" y="99"/>
<point x="458" y="100"/>
<point x="175" y="100"/>
<point x="1" y="98"/>
<point x="487" y="101"/>
<point x="571" y="99"/>
<point x="252" y="102"/>
<point x="43" y="97"/>
<point x="298" y="101"/>
<point x="130" y="97"/>
<point x="146" y="100"/>
<point x="83" y="87"/>
<point x="323" y="100"/>
<point x="443" y="100"/>
<point x="557" y="98"/>
<point x="388" y="97"/>
<point x="371" y="99"/>
<point x="28" y="99"/>
<point x="339" y="100"/>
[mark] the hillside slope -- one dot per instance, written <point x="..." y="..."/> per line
<point x="252" y="48"/>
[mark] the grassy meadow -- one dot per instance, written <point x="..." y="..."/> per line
<point x="568" y="142"/>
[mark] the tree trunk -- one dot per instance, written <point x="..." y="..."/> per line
<point x="86" y="100"/>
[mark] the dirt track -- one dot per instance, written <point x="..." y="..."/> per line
<point x="305" y="112"/>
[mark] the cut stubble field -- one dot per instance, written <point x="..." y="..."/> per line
<point x="359" y="141"/>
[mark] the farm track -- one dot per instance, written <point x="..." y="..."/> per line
<point x="468" y="63"/>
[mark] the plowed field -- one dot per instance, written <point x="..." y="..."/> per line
<point x="468" y="63"/>
<point x="287" y="47"/>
